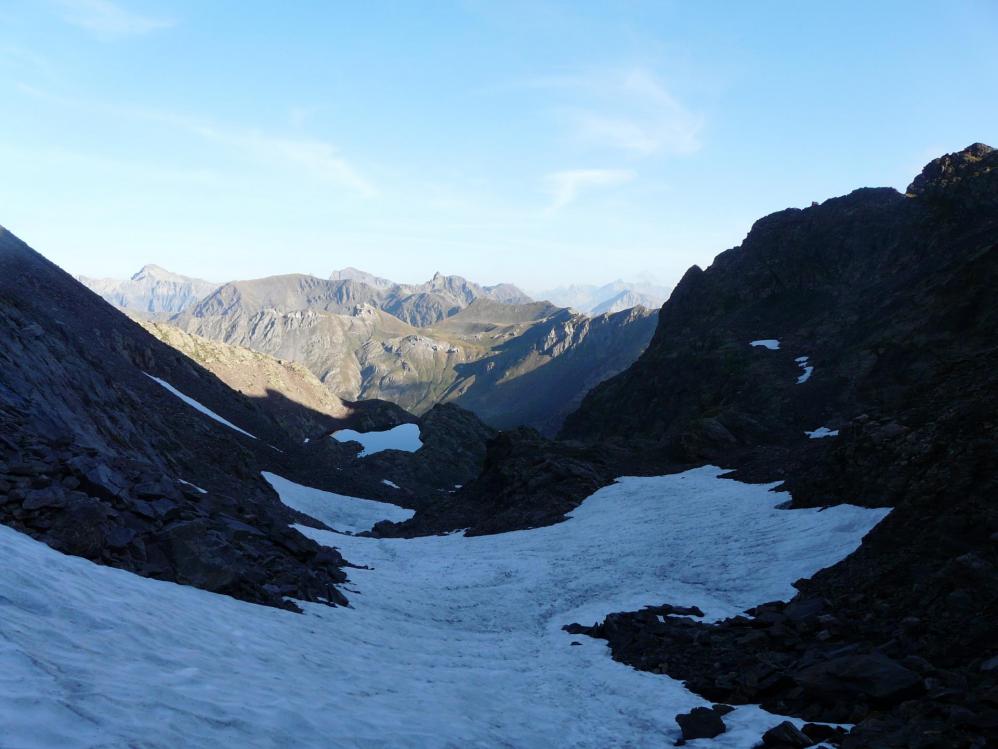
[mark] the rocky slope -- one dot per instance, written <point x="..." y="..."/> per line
<point x="541" y="374"/>
<point x="511" y="364"/>
<point x="98" y="459"/>
<point x="280" y="387"/>
<point x="891" y="298"/>
<point x="102" y="457"/>
<point x="152" y="292"/>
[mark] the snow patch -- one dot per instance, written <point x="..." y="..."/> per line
<point x="449" y="640"/>
<point x="822" y="432"/>
<point x="392" y="484"/>
<point x="197" y="406"/>
<point x="193" y="486"/>
<point x="405" y="437"/>
<point x="338" y="511"/>
<point x="771" y="343"/>
<point x="807" y="369"/>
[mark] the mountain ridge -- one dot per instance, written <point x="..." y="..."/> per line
<point x="360" y="351"/>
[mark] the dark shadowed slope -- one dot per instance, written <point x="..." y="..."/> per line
<point x="892" y="300"/>
<point x="100" y="460"/>
<point x="541" y="375"/>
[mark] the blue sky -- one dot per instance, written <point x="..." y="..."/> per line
<point x="535" y="142"/>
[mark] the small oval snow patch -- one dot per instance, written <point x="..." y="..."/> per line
<point x="807" y="369"/>
<point x="822" y="432"/>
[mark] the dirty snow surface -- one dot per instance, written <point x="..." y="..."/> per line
<point x="197" y="406"/>
<point x="449" y="642"/>
<point x="404" y="437"/>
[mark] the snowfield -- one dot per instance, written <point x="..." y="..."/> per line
<point x="347" y="514"/>
<point x="449" y="642"/>
<point x="405" y="437"/>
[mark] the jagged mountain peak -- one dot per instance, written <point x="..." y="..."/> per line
<point x="949" y="171"/>
<point x="351" y="273"/>
<point x="153" y="271"/>
<point x="152" y="291"/>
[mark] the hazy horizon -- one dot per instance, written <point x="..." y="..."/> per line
<point x="637" y="281"/>
<point x="540" y="144"/>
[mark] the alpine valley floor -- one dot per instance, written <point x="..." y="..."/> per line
<point x="449" y="641"/>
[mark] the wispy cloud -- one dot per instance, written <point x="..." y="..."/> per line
<point x="631" y="111"/>
<point x="108" y="19"/>
<point x="20" y="60"/>
<point x="317" y="157"/>
<point x="312" y="156"/>
<point x="566" y="186"/>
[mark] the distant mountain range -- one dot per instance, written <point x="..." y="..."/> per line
<point x="359" y="341"/>
<point x="612" y="297"/>
<point x="152" y="292"/>
<point x="510" y="360"/>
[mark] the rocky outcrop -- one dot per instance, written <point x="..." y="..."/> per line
<point x="527" y="481"/>
<point x="452" y="454"/>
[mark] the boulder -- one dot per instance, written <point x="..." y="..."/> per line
<point x="39" y="499"/>
<point x="700" y="723"/>
<point x="80" y="528"/>
<point x="200" y="556"/>
<point x="786" y="736"/>
<point x="871" y="676"/>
